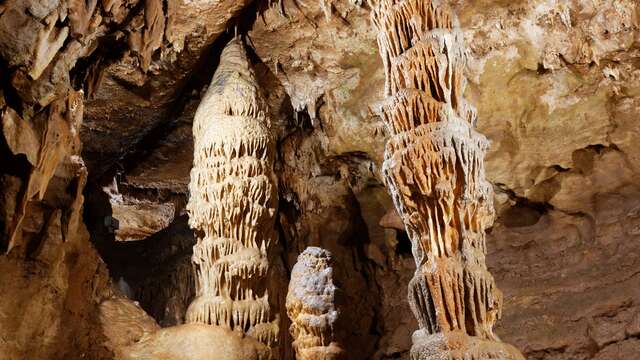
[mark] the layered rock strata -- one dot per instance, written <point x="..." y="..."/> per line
<point x="233" y="202"/>
<point x="311" y="306"/>
<point x="434" y="170"/>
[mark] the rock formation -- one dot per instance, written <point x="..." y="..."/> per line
<point x="167" y="44"/>
<point x="47" y="263"/>
<point x="133" y="335"/>
<point x="311" y="306"/>
<point x="556" y="84"/>
<point x="233" y="202"/>
<point x="55" y="144"/>
<point x="136" y="219"/>
<point x="434" y="170"/>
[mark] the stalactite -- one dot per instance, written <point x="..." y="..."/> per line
<point x="233" y="202"/>
<point x="311" y="307"/>
<point x="434" y="170"/>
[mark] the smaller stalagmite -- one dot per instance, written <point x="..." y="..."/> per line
<point x="311" y="307"/>
<point x="233" y="203"/>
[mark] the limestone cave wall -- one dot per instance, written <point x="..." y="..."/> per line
<point x="98" y="100"/>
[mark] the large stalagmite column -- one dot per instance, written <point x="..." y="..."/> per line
<point x="233" y="202"/>
<point x="434" y="170"/>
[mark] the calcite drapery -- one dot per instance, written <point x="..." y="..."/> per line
<point x="434" y="170"/>
<point x="311" y="306"/>
<point x="233" y="202"/>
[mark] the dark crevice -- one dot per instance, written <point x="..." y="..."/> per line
<point x="145" y="269"/>
<point x="596" y="148"/>
<point x="149" y="194"/>
<point x="403" y="248"/>
<point x="542" y="70"/>
<point x="12" y="166"/>
<point x="11" y="97"/>
<point x="560" y="169"/>
<point x="546" y="353"/>
<point x="524" y="212"/>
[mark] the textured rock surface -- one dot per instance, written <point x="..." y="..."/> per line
<point x="434" y="170"/>
<point x="197" y="342"/>
<point x="50" y="273"/>
<point x="132" y="334"/>
<point x="233" y="203"/>
<point x="311" y="306"/>
<point x="134" y="219"/>
<point x="555" y="85"/>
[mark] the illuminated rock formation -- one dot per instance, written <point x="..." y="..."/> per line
<point x="434" y="170"/>
<point x="311" y="306"/>
<point x="134" y="335"/>
<point x="233" y="202"/>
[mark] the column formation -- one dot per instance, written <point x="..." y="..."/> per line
<point x="434" y="170"/>
<point x="233" y="200"/>
<point x="311" y="306"/>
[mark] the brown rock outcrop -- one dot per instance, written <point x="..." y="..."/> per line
<point x="233" y="203"/>
<point x="434" y="169"/>
<point x="57" y="146"/>
<point x="197" y="342"/>
<point x="48" y="266"/>
<point x="136" y="219"/>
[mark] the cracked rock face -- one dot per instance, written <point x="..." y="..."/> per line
<point x="555" y="84"/>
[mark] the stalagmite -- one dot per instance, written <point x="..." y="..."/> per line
<point x="311" y="307"/>
<point x="434" y="170"/>
<point x="233" y="202"/>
